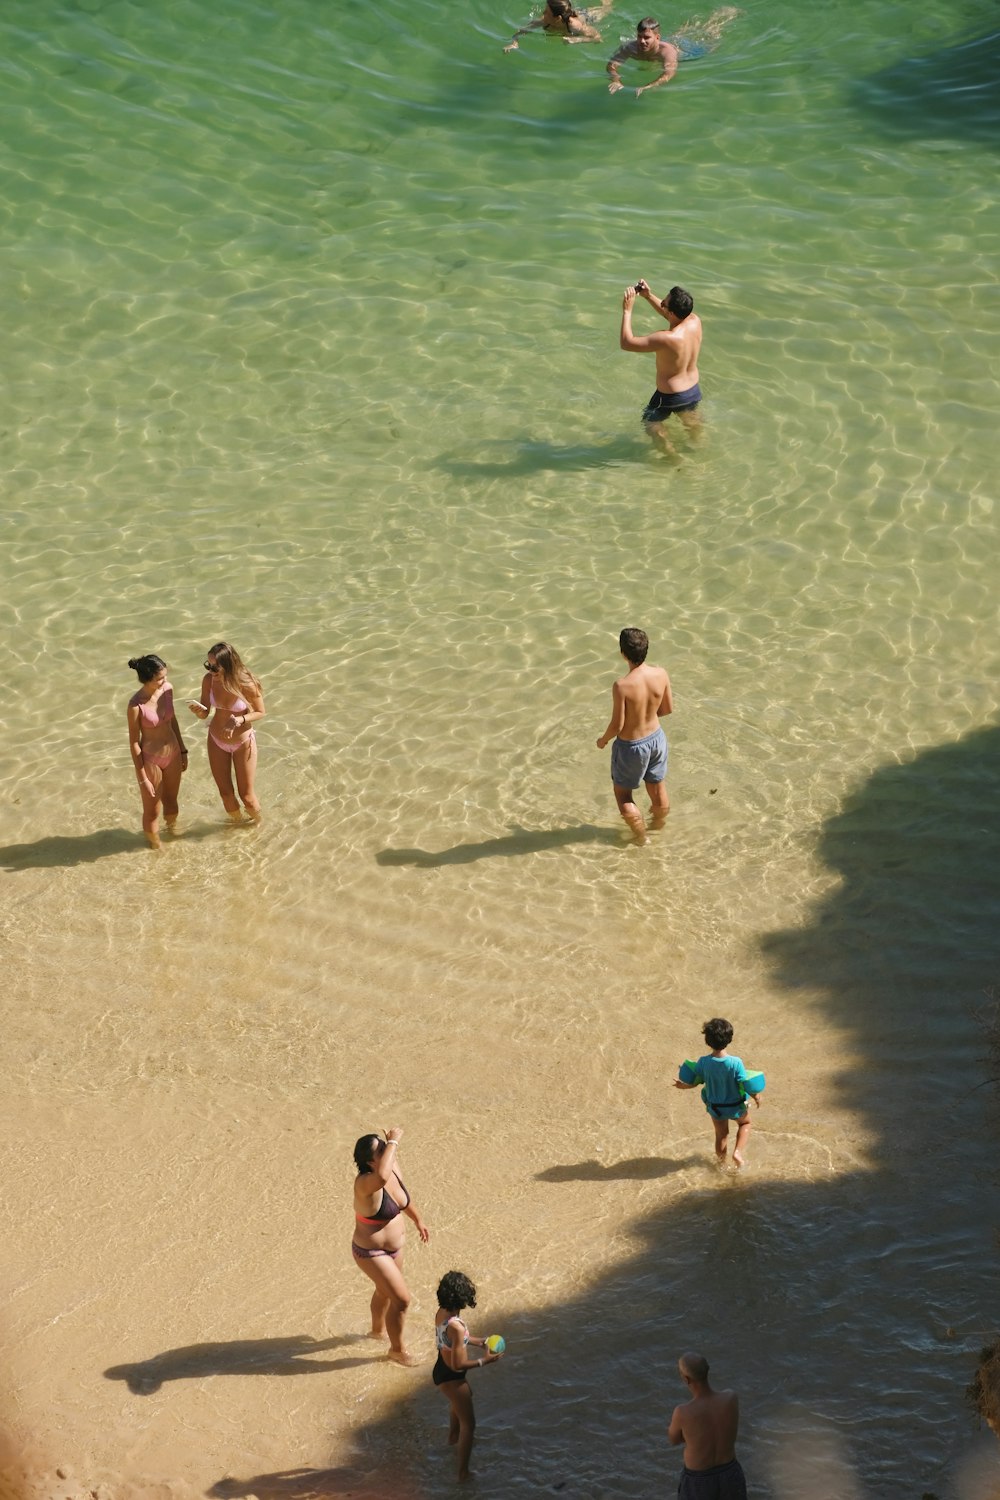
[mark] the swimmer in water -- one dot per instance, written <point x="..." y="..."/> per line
<point x="158" y="752"/>
<point x="562" y="18"/>
<point x="694" y="39"/>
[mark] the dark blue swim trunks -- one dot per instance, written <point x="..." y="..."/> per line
<point x="662" y="403"/>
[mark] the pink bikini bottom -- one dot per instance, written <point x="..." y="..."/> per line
<point x="230" y="746"/>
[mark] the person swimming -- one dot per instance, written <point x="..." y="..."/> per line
<point x="562" y="18"/>
<point x="694" y="39"/>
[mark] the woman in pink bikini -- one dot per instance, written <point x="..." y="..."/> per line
<point x="154" y="739"/>
<point x="233" y="692"/>
<point x="380" y="1202"/>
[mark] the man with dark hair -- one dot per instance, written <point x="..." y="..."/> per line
<point x="647" y="47"/>
<point x="694" y="39"/>
<point x="676" y="350"/>
<point x="640" y="751"/>
<point x="707" y="1426"/>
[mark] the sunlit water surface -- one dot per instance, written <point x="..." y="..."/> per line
<point x="311" y="342"/>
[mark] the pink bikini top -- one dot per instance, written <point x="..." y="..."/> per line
<point x="160" y="712"/>
<point x="239" y="707"/>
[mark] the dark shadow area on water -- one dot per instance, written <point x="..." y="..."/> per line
<point x="540" y="457"/>
<point x="846" y="1301"/>
<point x="280" y="1356"/>
<point x="950" y="92"/>
<point x="520" y="841"/>
<point x="86" y="848"/>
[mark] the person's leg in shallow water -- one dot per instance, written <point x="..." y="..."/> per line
<point x="658" y="433"/>
<point x="389" y="1305"/>
<point x="694" y="426"/>
<point x="742" y="1135"/>
<point x="721" y="1137"/>
<point x="170" y="786"/>
<point x="625" y="797"/>
<point x="461" y="1424"/>
<point x="659" y="802"/>
<point x="245" y="766"/>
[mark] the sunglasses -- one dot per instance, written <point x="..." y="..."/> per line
<point x="212" y="666"/>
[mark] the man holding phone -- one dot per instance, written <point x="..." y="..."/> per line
<point x="676" y="350"/>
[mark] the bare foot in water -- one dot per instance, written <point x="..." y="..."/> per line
<point x="380" y="1335"/>
<point x="153" y="840"/>
<point x="404" y="1358"/>
<point x="737" y="1159"/>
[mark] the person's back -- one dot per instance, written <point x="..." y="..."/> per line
<point x="677" y="355"/>
<point x="710" y="1426"/>
<point x="707" y="1426"/>
<point x="642" y="689"/>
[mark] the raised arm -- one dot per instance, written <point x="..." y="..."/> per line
<point x="668" y="61"/>
<point x="648" y="343"/>
<point x="655" y="302"/>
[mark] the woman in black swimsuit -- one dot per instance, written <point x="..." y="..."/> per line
<point x="380" y="1201"/>
<point x="455" y="1292"/>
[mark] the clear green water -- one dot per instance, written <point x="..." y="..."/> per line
<point x="311" y="342"/>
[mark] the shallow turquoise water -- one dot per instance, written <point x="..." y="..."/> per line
<point x="311" y="342"/>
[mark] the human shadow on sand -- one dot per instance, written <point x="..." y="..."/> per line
<point x="520" y="841"/>
<point x="285" y="1356"/>
<point x="85" y="848"/>
<point x="293" y="1484"/>
<point x="841" y="1283"/>
<point x="636" y="1169"/>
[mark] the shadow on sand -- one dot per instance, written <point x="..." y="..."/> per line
<point x="287" y="1356"/>
<point x="845" y="1301"/>
<point x="85" y="848"/>
<point x="520" y="841"/>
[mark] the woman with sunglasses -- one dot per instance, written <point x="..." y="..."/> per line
<point x="380" y="1204"/>
<point x="154" y="738"/>
<point x="231" y="690"/>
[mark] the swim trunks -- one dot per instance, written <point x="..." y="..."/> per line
<point x="724" y="1095"/>
<point x="687" y="50"/>
<point x="633" y="761"/>
<point x="662" y="403"/>
<point x="724" y="1482"/>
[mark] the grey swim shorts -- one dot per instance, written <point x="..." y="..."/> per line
<point x="633" y="761"/>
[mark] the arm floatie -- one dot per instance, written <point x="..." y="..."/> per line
<point x="753" y="1083"/>
<point x="688" y="1072"/>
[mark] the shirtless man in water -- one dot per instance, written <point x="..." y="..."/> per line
<point x="648" y="46"/>
<point x="638" y="700"/>
<point x="707" y="1426"/>
<point x="676" y="350"/>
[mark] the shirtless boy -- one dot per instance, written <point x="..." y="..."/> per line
<point x="638" y="701"/>
<point x="707" y="1426"/>
<point x="676" y="350"/>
